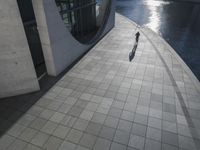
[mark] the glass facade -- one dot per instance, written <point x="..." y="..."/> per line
<point x="83" y="17"/>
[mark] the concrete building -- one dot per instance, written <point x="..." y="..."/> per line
<point x="47" y="36"/>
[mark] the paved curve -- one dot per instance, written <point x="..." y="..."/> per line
<point x="106" y="102"/>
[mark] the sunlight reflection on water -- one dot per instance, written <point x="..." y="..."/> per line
<point x="177" y="22"/>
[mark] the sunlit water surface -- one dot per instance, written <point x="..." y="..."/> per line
<point x="177" y="22"/>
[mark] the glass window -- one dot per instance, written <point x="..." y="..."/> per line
<point x="83" y="18"/>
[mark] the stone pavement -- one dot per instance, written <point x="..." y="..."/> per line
<point x="106" y="102"/>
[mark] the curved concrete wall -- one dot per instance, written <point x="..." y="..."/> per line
<point x="17" y="73"/>
<point x="60" y="48"/>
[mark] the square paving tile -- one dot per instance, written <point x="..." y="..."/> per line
<point x="115" y="112"/>
<point x="141" y="119"/>
<point x="28" y="134"/>
<point x="57" y="117"/>
<point x="102" y="144"/>
<point x="117" y="146"/>
<point x="111" y="122"/>
<point x="75" y="111"/>
<point x="87" y="115"/>
<point x="61" y="131"/>
<point x="169" y="126"/>
<point x="67" y="146"/>
<point x="124" y="125"/>
<point x="98" y="118"/>
<point x="154" y="134"/>
<point x="82" y="148"/>
<point x="6" y="140"/>
<point x="17" y="144"/>
<point x="154" y="122"/>
<point x="31" y="147"/>
<point x="167" y="147"/>
<point x="49" y="127"/>
<point x="46" y="114"/>
<point x="38" y="123"/>
<point x="92" y="106"/>
<point x="81" y="124"/>
<point x="74" y="136"/>
<point x="139" y="129"/>
<point x="170" y="138"/>
<point x="40" y="139"/>
<point x="16" y="130"/>
<point x="52" y="143"/>
<point x="136" y="142"/>
<point x="107" y="132"/>
<point x="186" y="143"/>
<point x="93" y="128"/>
<point x="121" y="137"/>
<point x="88" y="140"/>
<point x="152" y="145"/>
<point x="68" y="121"/>
<point x="126" y="115"/>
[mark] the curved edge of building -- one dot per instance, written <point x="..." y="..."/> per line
<point x="59" y="47"/>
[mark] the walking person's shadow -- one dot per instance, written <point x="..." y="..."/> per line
<point x="132" y="53"/>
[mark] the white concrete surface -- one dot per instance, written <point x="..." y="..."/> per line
<point x="17" y="73"/>
<point x="106" y="102"/>
<point x="60" y="48"/>
<point x="38" y="6"/>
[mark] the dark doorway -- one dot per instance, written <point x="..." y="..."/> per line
<point x="32" y="34"/>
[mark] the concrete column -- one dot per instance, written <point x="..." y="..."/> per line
<point x="38" y="6"/>
<point x="17" y="73"/>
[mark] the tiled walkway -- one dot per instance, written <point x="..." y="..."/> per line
<point x="106" y="102"/>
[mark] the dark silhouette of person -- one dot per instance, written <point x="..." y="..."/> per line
<point x="137" y="35"/>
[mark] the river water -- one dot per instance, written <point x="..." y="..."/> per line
<point x="177" y="22"/>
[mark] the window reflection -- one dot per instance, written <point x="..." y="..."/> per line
<point x="83" y="17"/>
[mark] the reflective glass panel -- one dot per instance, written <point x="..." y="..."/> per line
<point x="84" y="18"/>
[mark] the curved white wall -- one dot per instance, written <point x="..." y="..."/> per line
<point x="60" y="48"/>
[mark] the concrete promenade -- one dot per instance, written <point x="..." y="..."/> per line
<point x="106" y="102"/>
